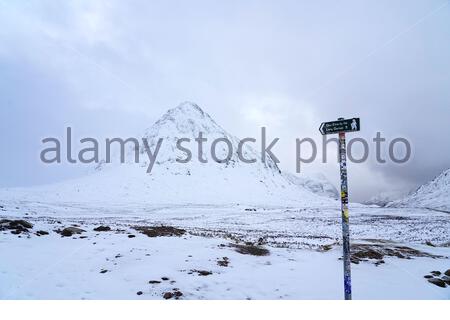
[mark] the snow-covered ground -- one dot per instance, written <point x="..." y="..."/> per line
<point x="302" y="263"/>
<point x="244" y="231"/>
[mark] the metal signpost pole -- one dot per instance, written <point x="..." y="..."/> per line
<point x="345" y="216"/>
<point x="341" y="126"/>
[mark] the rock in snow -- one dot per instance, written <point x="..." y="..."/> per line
<point x="437" y="282"/>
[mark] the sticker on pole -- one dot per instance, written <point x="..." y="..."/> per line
<point x="346" y="125"/>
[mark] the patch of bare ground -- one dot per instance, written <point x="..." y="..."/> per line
<point x="250" y="249"/>
<point x="176" y="293"/>
<point x="377" y="252"/>
<point x="102" y="228"/>
<point x="16" y="226"/>
<point x="388" y="217"/>
<point x="206" y="233"/>
<point x="160" y="231"/>
<point x="69" y="231"/>
<point x="325" y="247"/>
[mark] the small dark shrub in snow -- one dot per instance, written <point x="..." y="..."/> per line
<point x="251" y="249"/>
<point x="70" y="231"/>
<point x="168" y="295"/>
<point x="162" y="231"/>
<point x="224" y="262"/>
<point x="376" y="252"/>
<point x="202" y="272"/>
<point x="102" y="228"/>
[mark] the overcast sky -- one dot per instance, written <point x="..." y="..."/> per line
<point x="114" y="67"/>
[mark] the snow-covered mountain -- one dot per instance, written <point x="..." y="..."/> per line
<point x="383" y="198"/>
<point x="434" y="195"/>
<point x="317" y="184"/>
<point x="171" y="182"/>
<point x="380" y="200"/>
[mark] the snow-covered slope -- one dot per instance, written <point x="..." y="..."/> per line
<point x="171" y="182"/>
<point x="434" y="195"/>
<point x="383" y="198"/>
<point x="317" y="184"/>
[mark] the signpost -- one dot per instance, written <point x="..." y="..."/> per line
<point x="341" y="126"/>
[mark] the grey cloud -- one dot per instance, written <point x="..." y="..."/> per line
<point x="286" y="65"/>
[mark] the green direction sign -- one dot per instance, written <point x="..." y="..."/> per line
<point x="345" y="125"/>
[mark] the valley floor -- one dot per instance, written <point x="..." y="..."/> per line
<point x="220" y="253"/>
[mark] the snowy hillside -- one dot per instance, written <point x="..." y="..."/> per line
<point x="171" y="182"/>
<point x="434" y="195"/>
<point x="317" y="184"/>
<point x="383" y="198"/>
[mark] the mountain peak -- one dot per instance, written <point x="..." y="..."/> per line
<point x="186" y="119"/>
<point x="187" y="108"/>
